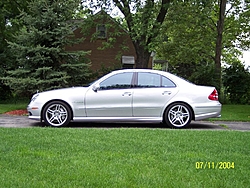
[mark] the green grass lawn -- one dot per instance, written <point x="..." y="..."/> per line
<point x="6" y="107"/>
<point x="66" y="157"/>
<point x="234" y="113"/>
<point x="71" y="157"/>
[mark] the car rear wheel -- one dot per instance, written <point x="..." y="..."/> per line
<point x="178" y="115"/>
<point x="57" y="114"/>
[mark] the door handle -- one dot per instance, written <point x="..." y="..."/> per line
<point x="166" y="93"/>
<point x="126" y="94"/>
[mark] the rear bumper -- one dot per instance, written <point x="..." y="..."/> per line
<point x="204" y="112"/>
<point x="208" y="115"/>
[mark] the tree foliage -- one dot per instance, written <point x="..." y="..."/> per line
<point x="199" y="33"/>
<point x="236" y="82"/>
<point x="42" y="62"/>
<point x="9" y="11"/>
<point x="9" y="25"/>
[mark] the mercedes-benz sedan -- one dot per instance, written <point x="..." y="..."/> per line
<point x="132" y="95"/>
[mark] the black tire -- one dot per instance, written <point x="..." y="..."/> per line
<point x="57" y="114"/>
<point x="178" y="115"/>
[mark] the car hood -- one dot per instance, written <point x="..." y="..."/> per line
<point x="63" y="93"/>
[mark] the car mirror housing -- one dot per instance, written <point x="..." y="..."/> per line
<point x="96" y="87"/>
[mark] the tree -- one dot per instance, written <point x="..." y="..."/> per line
<point x="9" y="10"/>
<point x="236" y="81"/>
<point x="218" y="46"/>
<point x="39" y="49"/>
<point x="9" y="25"/>
<point x="211" y="32"/>
<point x="143" y="21"/>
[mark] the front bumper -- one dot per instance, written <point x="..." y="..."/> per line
<point x="34" y="113"/>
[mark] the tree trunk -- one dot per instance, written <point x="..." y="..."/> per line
<point x="218" y="48"/>
<point x="146" y="36"/>
<point x="142" y="56"/>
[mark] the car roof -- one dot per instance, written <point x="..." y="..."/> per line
<point x="144" y="70"/>
<point x="141" y="70"/>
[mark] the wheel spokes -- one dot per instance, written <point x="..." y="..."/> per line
<point x="56" y="114"/>
<point x="178" y="115"/>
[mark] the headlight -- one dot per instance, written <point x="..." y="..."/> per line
<point x="34" y="97"/>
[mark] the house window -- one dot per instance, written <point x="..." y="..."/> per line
<point x="101" y="31"/>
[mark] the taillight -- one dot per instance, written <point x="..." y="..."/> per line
<point x="214" y="96"/>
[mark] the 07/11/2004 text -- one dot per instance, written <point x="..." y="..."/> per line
<point x="214" y="165"/>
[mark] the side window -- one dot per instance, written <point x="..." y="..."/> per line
<point x="119" y="81"/>
<point x="167" y="83"/>
<point x="146" y="80"/>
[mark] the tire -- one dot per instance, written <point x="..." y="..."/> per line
<point x="178" y="115"/>
<point x="57" y="114"/>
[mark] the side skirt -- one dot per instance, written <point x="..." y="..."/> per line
<point x="118" y="119"/>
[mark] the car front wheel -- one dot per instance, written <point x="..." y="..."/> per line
<point x="178" y="115"/>
<point x="56" y="114"/>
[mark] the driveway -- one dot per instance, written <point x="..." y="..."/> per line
<point x="23" y="121"/>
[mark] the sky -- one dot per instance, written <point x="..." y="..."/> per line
<point x="246" y="58"/>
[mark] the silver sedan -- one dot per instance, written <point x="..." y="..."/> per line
<point x="132" y="95"/>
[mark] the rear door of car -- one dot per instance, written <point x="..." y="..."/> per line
<point x="113" y="98"/>
<point x="151" y="94"/>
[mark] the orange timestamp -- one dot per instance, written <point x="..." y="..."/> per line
<point x="215" y="165"/>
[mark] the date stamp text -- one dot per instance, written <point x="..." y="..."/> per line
<point x="215" y="165"/>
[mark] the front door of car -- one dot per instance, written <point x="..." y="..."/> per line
<point x="113" y="98"/>
<point x="151" y="94"/>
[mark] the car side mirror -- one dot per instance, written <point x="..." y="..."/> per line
<point x="96" y="87"/>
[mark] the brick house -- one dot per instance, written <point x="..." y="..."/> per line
<point x="121" y="54"/>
